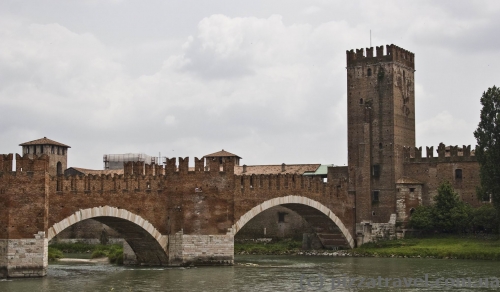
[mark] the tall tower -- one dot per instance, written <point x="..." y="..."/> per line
<point x="57" y="152"/>
<point x="381" y="121"/>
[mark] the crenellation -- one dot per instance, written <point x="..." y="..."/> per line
<point x="199" y="165"/>
<point x="429" y="152"/>
<point x="6" y="161"/>
<point x="393" y="53"/>
<point x="170" y="166"/>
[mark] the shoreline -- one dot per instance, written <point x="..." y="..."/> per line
<point x="439" y="247"/>
<point x="76" y="260"/>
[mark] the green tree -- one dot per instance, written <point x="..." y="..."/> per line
<point x="422" y="219"/>
<point x="450" y="214"/>
<point x="487" y="136"/>
<point x="485" y="219"/>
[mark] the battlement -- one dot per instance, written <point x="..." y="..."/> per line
<point x="393" y="54"/>
<point x="444" y="154"/>
<point x="6" y="162"/>
<point x="256" y="182"/>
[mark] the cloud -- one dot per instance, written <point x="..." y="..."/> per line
<point x="269" y="87"/>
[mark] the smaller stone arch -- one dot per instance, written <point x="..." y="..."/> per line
<point x="149" y="245"/>
<point x="293" y="200"/>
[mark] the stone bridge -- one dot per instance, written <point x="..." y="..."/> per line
<point x="169" y="214"/>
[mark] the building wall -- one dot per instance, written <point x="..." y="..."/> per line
<point x="433" y="171"/>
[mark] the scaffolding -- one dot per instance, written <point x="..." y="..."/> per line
<point x="115" y="161"/>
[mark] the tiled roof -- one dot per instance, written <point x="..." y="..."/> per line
<point x="44" y="141"/>
<point x="275" y="169"/>
<point x="97" y="171"/>
<point x="222" y="153"/>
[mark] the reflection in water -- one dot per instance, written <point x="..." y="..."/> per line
<point x="271" y="273"/>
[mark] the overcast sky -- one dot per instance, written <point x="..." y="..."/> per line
<point x="262" y="79"/>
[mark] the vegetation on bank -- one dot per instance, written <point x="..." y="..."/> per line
<point x="439" y="247"/>
<point x="114" y="252"/>
<point x="268" y="248"/>
<point x="450" y="215"/>
<point x="451" y="247"/>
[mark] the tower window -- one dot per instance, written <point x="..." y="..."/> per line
<point x="376" y="170"/>
<point x="458" y="174"/>
<point x="412" y="190"/>
<point x="375" y="196"/>
<point x="380" y="146"/>
<point x="369" y="72"/>
<point x="360" y="101"/>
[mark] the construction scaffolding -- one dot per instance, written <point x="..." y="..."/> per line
<point x="115" y="161"/>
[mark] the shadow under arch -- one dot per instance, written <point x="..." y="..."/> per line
<point x="314" y="212"/>
<point x="148" y="244"/>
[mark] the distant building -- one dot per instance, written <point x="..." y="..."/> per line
<point x="115" y="161"/>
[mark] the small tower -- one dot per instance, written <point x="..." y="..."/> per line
<point x="381" y="122"/>
<point x="222" y="156"/>
<point x="57" y="152"/>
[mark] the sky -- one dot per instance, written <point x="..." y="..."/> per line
<point x="265" y="80"/>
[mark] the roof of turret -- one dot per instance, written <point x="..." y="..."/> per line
<point x="44" y="141"/>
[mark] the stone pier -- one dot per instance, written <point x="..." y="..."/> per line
<point x="212" y="250"/>
<point x="24" y="257"/>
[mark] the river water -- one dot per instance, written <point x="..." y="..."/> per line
<point x="270" y="273"/>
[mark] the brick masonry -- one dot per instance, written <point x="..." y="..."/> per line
<point x="166" y="219"/>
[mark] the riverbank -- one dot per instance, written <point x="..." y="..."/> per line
<point x="112" y="252"/>
<point x="443" y="247"/>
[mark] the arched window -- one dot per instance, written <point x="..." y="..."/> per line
<point x="412" y="210"/>
<point x="360" y="101"/>
<point x="369" y="73"/>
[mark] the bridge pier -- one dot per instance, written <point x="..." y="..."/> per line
<point x="26" y="257"/>
<point x="199" y="250"/>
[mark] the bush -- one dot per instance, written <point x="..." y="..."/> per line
<point x="485" y="218"/>
<point x="55" y="254"/>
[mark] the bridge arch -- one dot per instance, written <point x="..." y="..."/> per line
<point x="291" y="202"/>
<point x="148" y="244"/>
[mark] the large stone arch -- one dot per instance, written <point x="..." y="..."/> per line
<point x="289" y="202"/>
<point x="149" y="245"/>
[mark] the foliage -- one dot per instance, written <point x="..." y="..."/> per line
<point x="487" y="153"/>
<point x="422" y="219"/>
<point x="113" y="251"/>
<point x="436" y="247"/>
<point x="54" y="254"/>
<point x="279" y="247"/>
<point x="485" y="218"/>
<point x="449" y="214"/>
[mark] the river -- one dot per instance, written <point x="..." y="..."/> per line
<point x="268" y="273"/>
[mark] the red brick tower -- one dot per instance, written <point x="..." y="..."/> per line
<point x="381" y="121"/>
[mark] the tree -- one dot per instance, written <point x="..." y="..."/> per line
<point x="485" y="219"/>
<point x="450" y="214"/>
<point x="422" y="219"/>
<point x="487" y="136"/>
